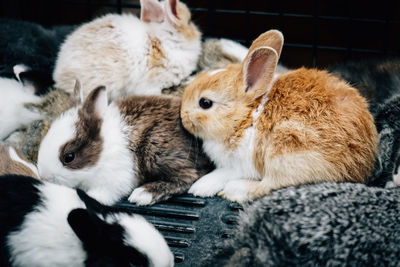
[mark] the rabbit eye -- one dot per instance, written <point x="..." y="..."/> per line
<point x="205" y="103"/>
<point x="69" y="157"/>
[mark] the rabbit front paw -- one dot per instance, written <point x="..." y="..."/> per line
<point x="235" y="191"/>
<point x="207" y="186"/>
<point x="141" y="197"/>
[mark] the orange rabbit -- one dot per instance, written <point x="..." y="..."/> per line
<point x="266" y="131"/>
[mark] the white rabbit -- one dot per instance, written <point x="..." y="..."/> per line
<point x="131" y="56"/>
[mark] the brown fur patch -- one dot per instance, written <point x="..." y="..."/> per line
<point x="168" y="158"/>
<point x="53" y="103"/>
<point x="185" y="26"/>
<point x="157" y="55"/>
<point x="88" y="142"/>
<point x="309" y="110"/>
<point x="9" y="166"/>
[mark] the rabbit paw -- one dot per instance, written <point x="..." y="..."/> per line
<point x="235" y="191"/>
<point x="206" y="186"/>
<point x="141" y="197"/>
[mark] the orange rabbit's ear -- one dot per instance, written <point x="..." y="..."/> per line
<point x="151" y="11"/>
<point x="271" y="38"/>
<point x="258" y="69"/>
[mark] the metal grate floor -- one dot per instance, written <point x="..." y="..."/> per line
<point x="190" y="225"/>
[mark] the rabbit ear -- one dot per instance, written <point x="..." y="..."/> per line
<point x="77" y="97"/>
<point x="96" y="103"/>
<point x="259" y="68"/>
<point x="272" y="38"/>
<point x="88" y="227"/>
<point x="151" y="11"/>
<point x="37" y="81"/>
<point x="20" y="69"/>
<point x="171" y="11"/>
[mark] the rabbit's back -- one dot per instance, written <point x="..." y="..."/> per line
<point x="106" y="51"/>
<point x="321" y="119"/>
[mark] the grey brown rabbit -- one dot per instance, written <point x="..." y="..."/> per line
<point x="134" y="144"/>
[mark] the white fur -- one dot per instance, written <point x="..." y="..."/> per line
<point x="111" y="178"/>
<point x="236" y="190"/>
<point x="140" y="197"/>
<point x="18" y="69"/>
<point x="396" y="177"/>
<point x="119" y="58"/>
<point x="45" y="238"/>
<point x="145" y="238"/>
<point x="230" y="164"/>
<point x="234" y="48"/>
<point x="13" y="113"/>
<point x="14" y="156"/>
<point x="213" y="72"/>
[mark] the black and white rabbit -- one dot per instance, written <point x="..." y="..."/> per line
<point x="387" y="121"/>
<point x="129" y="55"/>
<point x="377" y="78"/>
<point x="43" y="224"/>
<point x="134" y="144"/>
<point x="328" y="224"/>
<point x="33" y="45"/>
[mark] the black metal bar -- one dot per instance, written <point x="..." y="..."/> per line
<point x="177" y="242"/>
<point x="119" y="6"/>
<point x="173" y="226"/>
<point x="211" y="22"/>
<point x="159" y="211"/>
<point x="179" y="256"/>
<point x="187" y="200"/>
<point x="315" y="38"/>
<point x="294" y="15"/>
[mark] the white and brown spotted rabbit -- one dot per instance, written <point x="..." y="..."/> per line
<point x="135" y="144"/>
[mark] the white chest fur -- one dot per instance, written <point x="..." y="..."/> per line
<point x="239" y="160"/>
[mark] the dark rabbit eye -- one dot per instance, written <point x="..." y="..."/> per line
<point x="205" y="103"/>
<point x="69" y="157"/>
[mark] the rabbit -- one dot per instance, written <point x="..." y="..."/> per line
<point x="387" y="120"/>
<point x="33" y="45"/>
<point x="266" y="131"/>
<point x="13" y="162"/>
<point x="13" y="113"/>
<point x="325" y="224"/>
<point x="137" y="143"/>
<point x="128" y="55"/>
<point x="44" y="224"/>
<point x="377" y="78"/>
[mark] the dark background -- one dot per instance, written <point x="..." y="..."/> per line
<point x="317" y="33"/>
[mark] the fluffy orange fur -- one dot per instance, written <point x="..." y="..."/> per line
<point x="313" y="127"/>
